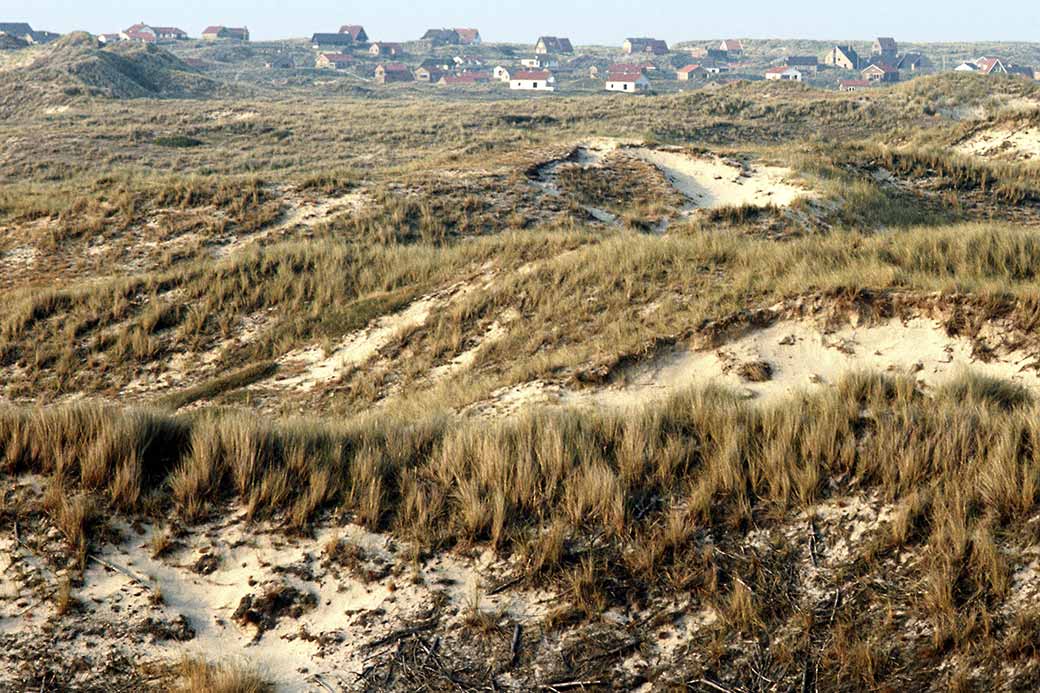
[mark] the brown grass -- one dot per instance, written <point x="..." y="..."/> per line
<point x="194" y="675"/>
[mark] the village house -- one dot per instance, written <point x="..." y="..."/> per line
<point x="540" y="62"/>
<point x="393" y="72"/>
<point x="469" y="37"/>
<point x="333" y="61"/>
<point x="913" y="62"/>
<point x="501" y="73"/>
<point x="382" y="48"/>
<point x="109" y="38"/>
<point x="144" y="33"/>
<point x="843" y="58"/>
<point x="880" y="72"/>
<point x="885" y="50"/>
<point x="18" y="30"/>
<point x="439" y="64"/>
<point x="1021" y="70"/>
<point x="732" y="47"/>
<point x="533" y="80"/>
<point x="214" y="33"/>
<point x="627" y="81"/>
<point x="442" y="37"/>
<point x="549" y="45"/>
<point x="713" y="67"/>
<point x="784" y="74"/>
<point x="322" y="41"/>
<point x="169" y="33"/>
<point x="356" y="31"/>
<point x="431" y="75"/>
<point x="850" y="85"/>
<point x="991" y="66"/>
<point x="806" y="64"/>
<point x="633" y="46"/>
<point x="685" y="74"/>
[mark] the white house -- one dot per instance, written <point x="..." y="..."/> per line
<point x="501" y="73"/>
<point x="784" y="74"/>
<point x="630" y="82"/>
<point x="540" y="62"/>
<point x="535" y="80"/>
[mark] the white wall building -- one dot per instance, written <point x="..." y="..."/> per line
<point x="538" y="80"/>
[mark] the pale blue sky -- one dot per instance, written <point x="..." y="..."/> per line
<point x="585" y="21"/>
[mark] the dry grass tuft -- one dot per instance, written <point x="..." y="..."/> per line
<point x="195" y="675"/>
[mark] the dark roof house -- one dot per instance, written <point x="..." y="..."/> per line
<point x="17" y="29"/>
<point x="442" y="37"/>
<point x="356" y="31"/>
<point x="645" y="45"/>
<point x="213" y="33"/>
<point x="319" y="40"/>
<point x="553" y="44"/>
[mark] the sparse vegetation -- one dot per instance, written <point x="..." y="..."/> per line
<point x="159" y="329"/>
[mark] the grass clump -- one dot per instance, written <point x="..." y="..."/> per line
<point x="196" y="675"/>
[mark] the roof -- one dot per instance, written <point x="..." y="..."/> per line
<point x="337" y="58"/>
<point x="887" y="69"/>
<point x="468" y="35"/>
<point x="690" y="68"/>
<point x="140" y="36"/>
<point x="648" y="45"/>
<point x="394" y="67"/>
<point x="781" y="70"/>
<point x="887" y="43"/>
<point x="234" y="31"/>
<point x="986" y="65"/>
<point x="169" y="30"/>
<point x="625" y="76"/>
<point x="333" y="39"/>
<point x="354" y="30"/>
<point x="732" y="45"/>
<point x="449" y="35"/>
<point x="556" y="44"/>
<point x="16" y="28"/>
<point x="912" y="59"/>
<point x="532" y="74"/>
<point x="854" y="83"/>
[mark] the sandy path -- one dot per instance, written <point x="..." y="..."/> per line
<point x="306" y="212"/>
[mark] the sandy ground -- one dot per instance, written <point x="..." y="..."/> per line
<point x="712" y="182"/>
<point x="1019" y="144"/>
<point x="143" y="606"/>
<point x="802" y="356"/>
<point x="706" y="181"/>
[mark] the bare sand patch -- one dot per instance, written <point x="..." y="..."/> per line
<point x="710" y="181"/>
<point x="190" y="601"/>
<point x="783" y="360"/>
<point x="802" y="357"/>
<point x="1018" y="143"/>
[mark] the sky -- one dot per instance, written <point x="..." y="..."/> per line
<point x="605" y="22"/>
